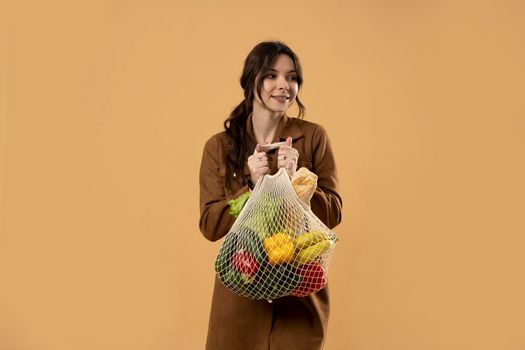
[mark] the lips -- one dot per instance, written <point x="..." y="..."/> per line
<point x="281" y="98"/>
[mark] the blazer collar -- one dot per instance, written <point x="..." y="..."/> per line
<point x="287" y="127"/>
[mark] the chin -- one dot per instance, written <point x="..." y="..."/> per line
<point x="279" y="108"/>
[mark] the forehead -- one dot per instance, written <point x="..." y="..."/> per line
<point x="283" y="63"/>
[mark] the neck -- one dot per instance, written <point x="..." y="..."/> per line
<point x="265" y="123"/>
<point x="265" y="126"/>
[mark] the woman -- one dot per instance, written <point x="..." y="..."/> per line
<point x="232" y="162"/>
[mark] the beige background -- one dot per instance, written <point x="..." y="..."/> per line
<point x="105" y="107"/>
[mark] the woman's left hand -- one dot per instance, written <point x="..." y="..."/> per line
<point x="287" y="157"/>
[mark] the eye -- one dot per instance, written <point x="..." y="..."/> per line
<point x="292" y="77"/>
<point x="270" y="76"/>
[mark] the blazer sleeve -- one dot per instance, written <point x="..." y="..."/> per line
<point x="326" y="203"/>
<point x="215" y="219"/>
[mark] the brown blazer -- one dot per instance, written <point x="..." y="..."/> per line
<point x="288" y="323"/>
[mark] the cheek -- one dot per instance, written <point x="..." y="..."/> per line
<point x="295" y="91"/>
<point x="263" y="94"/>
<point x="266" y="88"/>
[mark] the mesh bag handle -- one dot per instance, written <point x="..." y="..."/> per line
<point x="276" y="246"/>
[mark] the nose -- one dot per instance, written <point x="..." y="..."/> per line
<point x="283" y="84"/>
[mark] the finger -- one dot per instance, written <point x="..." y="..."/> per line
<point x="257" y="149"/>
<point x="285" y="152"/>
<point x="282" y="163"/>
<point x="289" y="141"/>
<point x="284" y="147"/>
<point x="258" y="157"/>
<point x="261" y="156"/>
<point x="287" y="156"/>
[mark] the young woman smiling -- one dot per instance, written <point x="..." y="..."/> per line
<point x="232" y="162"/>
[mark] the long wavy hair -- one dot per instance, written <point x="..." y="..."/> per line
<point x="257" y="63"/>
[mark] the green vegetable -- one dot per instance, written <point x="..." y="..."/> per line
<point x="226" y="271"/>
<point x="238" y="203"/>
<point x="264" y="220"/>
<point x="222" y="263"/>
<point x="284" y="279"/>
<point x="235" y="242"/>
<point x="250" y="241"/>
<point x="238" y="282"/>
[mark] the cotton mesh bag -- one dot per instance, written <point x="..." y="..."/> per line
<point x="276" y="246"/>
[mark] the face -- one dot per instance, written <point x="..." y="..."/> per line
<point x="280" y="86"/>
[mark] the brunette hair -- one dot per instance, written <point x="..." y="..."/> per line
<point x="257" y="63"/>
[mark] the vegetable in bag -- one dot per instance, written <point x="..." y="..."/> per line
<point x="276" y="246"/>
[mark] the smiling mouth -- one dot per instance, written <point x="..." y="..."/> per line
<point x="281" y="98"/>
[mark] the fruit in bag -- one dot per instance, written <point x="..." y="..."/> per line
<point x="245" y="263"/>
<point x="276" y="246"/>
<point x="309" y="238"/>
<point x="313" y="278"/>
<point x="280" y="248"/>
<point x="310" y="253"/>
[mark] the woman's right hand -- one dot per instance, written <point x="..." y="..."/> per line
<point x="258" y="164"/>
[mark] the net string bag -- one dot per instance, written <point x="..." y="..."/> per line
<point x="276" y="246"/>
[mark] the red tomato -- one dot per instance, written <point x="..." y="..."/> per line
<point x="245" y="263"/>
<point x="313" y="278"/>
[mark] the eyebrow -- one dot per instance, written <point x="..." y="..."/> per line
<point x="274" y="70"/>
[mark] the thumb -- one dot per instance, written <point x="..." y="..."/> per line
<point x="289" y="141"/>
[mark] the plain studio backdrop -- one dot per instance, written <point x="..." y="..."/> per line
<point x="104" y="110"/>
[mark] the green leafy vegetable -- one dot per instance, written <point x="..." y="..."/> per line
<point x="264" y="220"/>
<point x="237" y="204"/>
